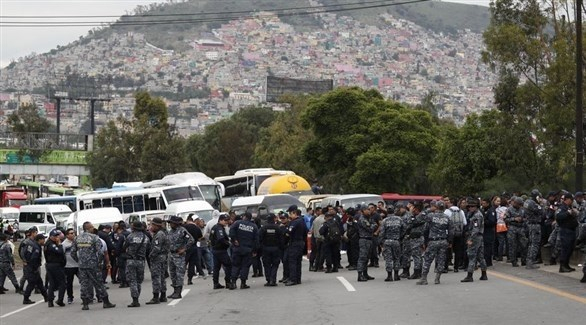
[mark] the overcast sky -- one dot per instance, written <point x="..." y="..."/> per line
<point x="16" y="42"/>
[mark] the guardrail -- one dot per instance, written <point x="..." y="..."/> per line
<point x="44" y="141"/>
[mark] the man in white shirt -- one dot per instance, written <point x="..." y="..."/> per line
<point x="458" y="218"/>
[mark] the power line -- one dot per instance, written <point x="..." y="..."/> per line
<point x="313" y="11"/>
<point x="197" y="14"/>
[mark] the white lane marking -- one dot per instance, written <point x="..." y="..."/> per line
<point x="21" y="309"/>
<point x="176" y="301"/>
<point x="346" y="284"/>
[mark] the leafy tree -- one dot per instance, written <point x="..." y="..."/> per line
<point x="25" y="122"/>
<point x="142" y="148"/>
<point x="364" y="143"/>
<point x="532" y="47"/>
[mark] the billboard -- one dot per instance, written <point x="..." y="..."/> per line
<point x="276" y="87"/>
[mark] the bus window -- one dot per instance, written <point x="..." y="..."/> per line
<point x="117" y="203"/>
<point x="96" y="204"/>
<point x="127" y="204"/>
<point x="106" y="203"/>
<point x="138" y="203"/>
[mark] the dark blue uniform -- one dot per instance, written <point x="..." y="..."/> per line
<point x="220" y="243"/>
<point x="55" y="258"/>
<point x="297" y="234"/>
<point x="244" y="236"/>
<point x="271" y="238"/>
<point x="32" y="256"/>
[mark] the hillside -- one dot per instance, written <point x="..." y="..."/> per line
<point x="179" y="21"/>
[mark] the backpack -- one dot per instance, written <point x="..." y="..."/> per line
<point x="457" y="223"/>
<point x="334" y="233"/>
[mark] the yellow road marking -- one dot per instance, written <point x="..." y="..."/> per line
<point x="538" y="286"/>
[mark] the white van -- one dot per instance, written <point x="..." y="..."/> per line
<point x="44" y="217"/>
<point x="351" y="200"/>
<point x="97" y="216"/>
<point x="143" y="216"/>
<point x="183" y="208"/>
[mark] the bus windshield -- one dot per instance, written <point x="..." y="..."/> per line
<point x="182" y="193"/>
<point x="211" y="194"/>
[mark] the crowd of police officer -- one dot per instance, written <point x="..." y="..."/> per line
<point x="467" y="234"/>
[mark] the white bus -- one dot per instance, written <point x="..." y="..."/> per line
<point x="210" y="190"/>
<point x="246" y="182"/>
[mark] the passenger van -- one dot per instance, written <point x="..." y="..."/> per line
<point x="183" y="208"/>
<point x="144" y="216"/>
<point x="44" y="217"/>
<point x="97" y="216"/>
<point x="350" y="200"/>
<point x="262" y="205"/>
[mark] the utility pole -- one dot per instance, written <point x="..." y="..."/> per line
<point x="579" y="95"/>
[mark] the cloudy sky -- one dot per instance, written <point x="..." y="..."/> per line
<point x="16" y="42"/>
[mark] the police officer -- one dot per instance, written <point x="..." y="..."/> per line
<point x="32" y="257"/>
<point x="297" y="234"/>
<point x="567" y="220"/>
<point x="121" y="254"/>
<point x="220" y="243"/>
<point x="438" y="235"/>
<point x="515" y="219"/>
<point x="534" y="214"/>
<point x="365" y="232"/>
<point x="416" y="225"/>
<point x="179" y="242"/>
<point x="158" y="254"/>
<point x="244" y="237"/>
<point x="136" y="246"/>
<point x="391" y="234"/>
<point x="86" y="250"/>
<point x="7" y="264"/>
<point x="55" y="265"/>
<point x="284" y="225"/>
<point x="330" y="230"/>
<point x="475" y="242"/>
<point x="271" y="239"/>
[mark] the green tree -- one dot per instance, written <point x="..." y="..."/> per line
<point x="142" y="148"/>
<point x="532" y="47"/>
<point x="364" y="143"/>
<point x="281" y="144"/>
<point x="26" y="122"/>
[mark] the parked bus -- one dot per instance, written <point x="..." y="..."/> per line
<point x="69" y="200"/>
<point x="209" y="189"/>
<point x="245" y="183"/>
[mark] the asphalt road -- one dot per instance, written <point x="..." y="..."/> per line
<point x="510" y="296"/>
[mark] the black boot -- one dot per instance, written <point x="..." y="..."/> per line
<point x="389" y="277"/>
<point x="405" y="273"/>
<point x="564" y="269"/>
<point x="416" y="275"/>
<point x="468" y="278"/>
<point x="243" y="285"/>
<point x="176" y="293"/>
<point x="27" y="301"/>
<point x="218" y="286"/>
<point x="85" y="304"/>
<point x="361" y="277"/>
<point x="134" y="303"/>
<point x="155" y="300"/>
<point x="163" y="296"/>
<point x="397" y="276"/>
<point x="232" y="285"/>
<point x="569" y="267"/>
<point x="107" y="303"/>
<point x="189" y="281"/>
<point x="583" y="280"/>
<point x="368" y="277"/>
<point x="483" y="277"/>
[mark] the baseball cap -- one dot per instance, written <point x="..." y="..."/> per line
<point x="55" y="233"/>
<point x="223" y="217"/>
<point x="40" y="236"/>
